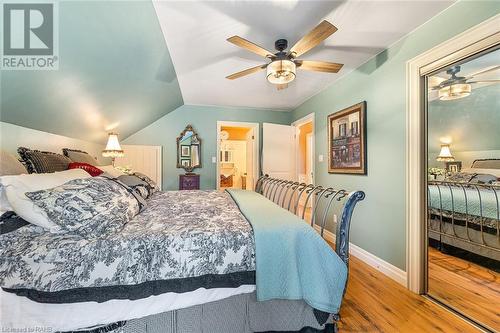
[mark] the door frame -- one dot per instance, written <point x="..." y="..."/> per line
<point x="474" y="40"/>
<point x="304" y="120"/>
<point x="256" y="131"/>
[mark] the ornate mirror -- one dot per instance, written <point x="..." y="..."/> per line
<point x="188" y="150"/>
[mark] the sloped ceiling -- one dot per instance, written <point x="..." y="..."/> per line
<point x="196" y="33"/>
<point x="115" y="73"/>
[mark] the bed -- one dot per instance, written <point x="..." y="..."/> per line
<point x="464" y="212"/>
<point x="190" y="261"/>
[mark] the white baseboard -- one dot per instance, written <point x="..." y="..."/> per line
<point x="383" y="266"/>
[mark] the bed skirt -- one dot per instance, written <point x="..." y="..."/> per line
<point x="236" y="314"/>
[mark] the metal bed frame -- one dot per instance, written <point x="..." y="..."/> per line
<point x="287" y="194"/>
<point x="474" y="233"/>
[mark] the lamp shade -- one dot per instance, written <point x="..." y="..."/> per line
<point x="281" y="71"/>
<point x="445" y="154"/>
<point x="113" y="148"/>
<point x="455" y="91"/>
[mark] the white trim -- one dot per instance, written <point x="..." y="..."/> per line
<point x="476" y="39"/>
<point x="395" y="273"/>
<point x="256" y="132"/>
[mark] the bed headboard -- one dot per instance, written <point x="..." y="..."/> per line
<point x="487" y="163"/>
<point x="288" y="195"/>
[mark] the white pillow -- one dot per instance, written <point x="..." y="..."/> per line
<point x="494" y="172"/>
<point x="16" y="186"/>
<point x="109" y="169"/>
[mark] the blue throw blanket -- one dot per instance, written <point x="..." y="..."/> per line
<point x="292" y="260"/>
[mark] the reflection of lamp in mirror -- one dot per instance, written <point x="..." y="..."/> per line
<point x="455" y="91"/>
<point x="113" y="148"/>
<point x="445" y="154"/>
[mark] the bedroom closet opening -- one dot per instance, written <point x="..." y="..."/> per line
<point x="236" y="155"/>
<point x="463" y="187"/>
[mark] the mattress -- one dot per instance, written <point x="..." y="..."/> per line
<point x="21" y="312"/>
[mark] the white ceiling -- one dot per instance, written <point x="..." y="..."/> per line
<point x="196" y="33"/>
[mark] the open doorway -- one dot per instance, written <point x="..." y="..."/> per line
<point x="305" y="158"/>
<point x="237" y="155"/>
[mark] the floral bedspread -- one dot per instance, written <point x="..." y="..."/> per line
<point x="180" y="234"/>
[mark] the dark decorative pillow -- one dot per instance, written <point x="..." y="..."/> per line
<point x="461" y="177"/>
<point x="37" y="161"/>
<point x="92" y="170"/>
<point x="9" y="221"/>
<point x="483" y="179"/>
<point x="148" y="180"/>
<point x="79" y="156"/>
<point x="90" y="207"/>
<point x="140" y="186"/>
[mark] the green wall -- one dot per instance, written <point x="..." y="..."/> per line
<point x="379" y="222"/>
<point x="115" y="72"/>
<point x="204" y="121"/>
<point x="470" y="125"/>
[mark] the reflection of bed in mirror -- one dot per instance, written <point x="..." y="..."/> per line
<point x="464" y="210"/>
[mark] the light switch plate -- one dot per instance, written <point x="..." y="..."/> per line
<point x="320" y="158"/>
<point x="214" y="159"/>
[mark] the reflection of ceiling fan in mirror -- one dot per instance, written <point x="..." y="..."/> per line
<point x="457" y="86"/>
<point x="282" y="68"/>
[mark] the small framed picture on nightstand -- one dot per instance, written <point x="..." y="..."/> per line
<point x="453" y="167"/>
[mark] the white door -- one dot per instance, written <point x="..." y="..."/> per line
<point x="250" y="140"/>
<point x="278" y="151"/>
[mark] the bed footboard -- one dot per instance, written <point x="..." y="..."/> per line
<point x="292" y="195"/>
<point x="465" y="216"/>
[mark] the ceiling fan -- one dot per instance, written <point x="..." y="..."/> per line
<point x="456" y="86"/>
<point x="283" y="66"/>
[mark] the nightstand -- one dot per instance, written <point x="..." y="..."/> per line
<point x="189" y="181"/>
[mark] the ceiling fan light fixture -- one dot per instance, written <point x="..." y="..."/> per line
<point x="455" y="91"/>
<point x="281" y="71"/>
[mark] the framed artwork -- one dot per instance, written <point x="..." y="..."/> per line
<point x="186" y="163"/>
<point x="185" y="151"/>
<point x="347" y="140"/>
<point x="453" y="167"/>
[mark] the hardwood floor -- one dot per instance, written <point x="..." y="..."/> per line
<point x="376" y="303"/>
<point x="465" y="286"/>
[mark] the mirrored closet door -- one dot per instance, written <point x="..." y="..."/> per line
<point x="463" y="187"/>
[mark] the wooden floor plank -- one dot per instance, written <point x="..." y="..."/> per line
<point x="467" y="287"/>
<point x="376" y="303"/>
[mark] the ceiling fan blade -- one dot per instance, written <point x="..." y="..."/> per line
<point x="483" y="71"/>
<point x="319" y="66"/>
<point x="434" y="81"/>
<point x="252" y="47"/>
<point x="484" y="81"/>
<point x="282" y="86"/>
<point x="313" y="38"/>
<point x="246" y="72"/>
